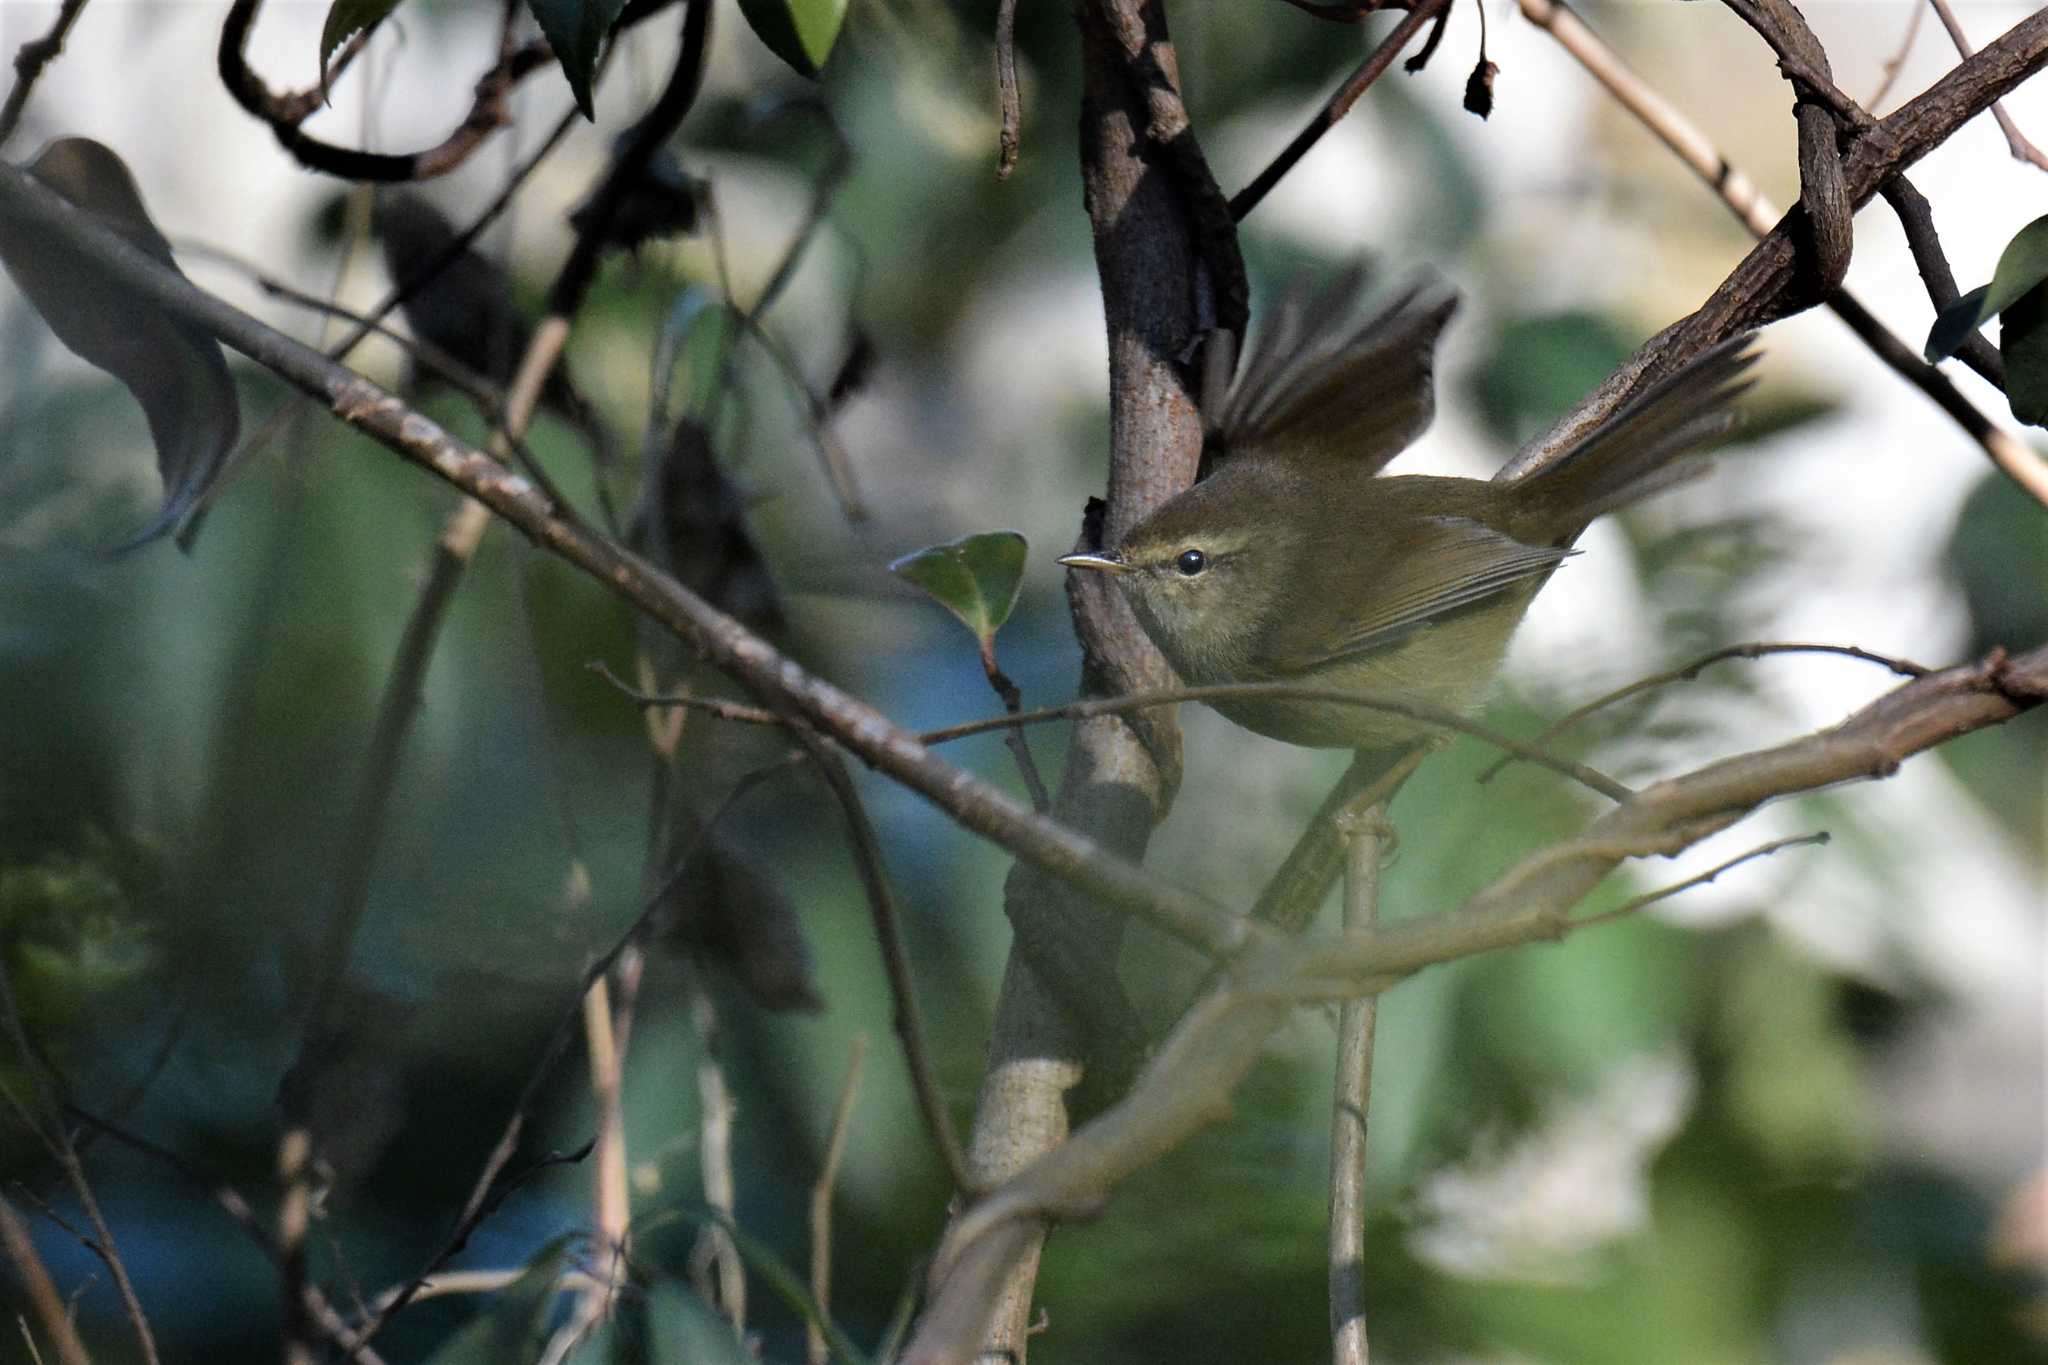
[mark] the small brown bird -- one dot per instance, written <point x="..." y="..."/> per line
<point x="1297" y="562"/>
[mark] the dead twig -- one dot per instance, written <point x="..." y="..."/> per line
<point x="2016" y="141"/>
<point x="30" y="59"/>
<point x="1755" y="649"/>
<point x="1337" y="105"/>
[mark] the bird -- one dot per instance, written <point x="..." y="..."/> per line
<point x="1297" y="561"/>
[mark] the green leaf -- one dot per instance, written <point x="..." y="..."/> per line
<point x="2023" y="342"/>
<point x="801" y="32"/>
<point x="345" y="19"/>
<point x="977" y="577"/>
<point x="174" y="368"/>
<point x="576" y="30"/>
<point x="1952" y="327"/>
<point x="2022" y="265"/>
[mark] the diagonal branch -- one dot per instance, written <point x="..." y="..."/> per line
<point x="1769" y="283"/>
<point x="1747" y="203"/>
<point x="1188" y="1084"/>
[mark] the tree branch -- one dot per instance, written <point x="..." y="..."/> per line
<point x="286" y="113"/>
<point x="1769" y="282"/>
<point x="1188" y="1083"/>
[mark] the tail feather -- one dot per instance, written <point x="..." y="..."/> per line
<point x="1642" y="449"/>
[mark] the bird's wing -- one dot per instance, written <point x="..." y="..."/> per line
<point x="1453" y="563"/>
<point x="1317" y="384"/>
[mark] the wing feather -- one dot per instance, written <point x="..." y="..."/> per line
<point x="1457" y="562"/>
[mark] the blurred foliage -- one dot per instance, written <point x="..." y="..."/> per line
<point x="1646" y="1143"/>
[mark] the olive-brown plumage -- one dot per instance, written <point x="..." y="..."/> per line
<point x="1297" y="561"/>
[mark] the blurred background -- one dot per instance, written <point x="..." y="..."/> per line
<point x="1797" y="1115"/>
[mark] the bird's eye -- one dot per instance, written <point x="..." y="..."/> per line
<point x="1191" y="562"/>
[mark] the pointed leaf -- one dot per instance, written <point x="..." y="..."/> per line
<point x="347" y="18"/>
<point x="1955" y="323"/>
<point x="576" y="30"/>
<point x="801" y="32"/>
<point x="977" y="577"/>
<point x="2023" y="342"/>
<point x="2022" y="265"/>
<point x="175" y="370"/>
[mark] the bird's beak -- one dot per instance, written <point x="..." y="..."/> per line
<point x="1109" y="561"/>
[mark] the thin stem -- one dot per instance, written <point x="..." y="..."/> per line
<point x="56" y="1137"/>
<point x="888" y="923"/>
<point x="715" y="1252"/>
<point x="816" y="1350"/>
<point x="1089" y="707"/>
<point x="1336" y="106"/>
<point x="44" y="1300"/>
<point x="1361" y="827"/>
<point x="30" y="59"/>
<point x="1623" y="911"/>
<point x="2022" y="149"/>
<point x="1756" y="649"/>
<point x="1013" y="702"/>
<point x="1006" y="88"/>
<point x="1897" y="61"/>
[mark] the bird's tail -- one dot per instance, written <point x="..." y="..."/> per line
<point x="1642" y="449"/>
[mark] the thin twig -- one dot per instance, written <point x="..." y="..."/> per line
<point x="888" y="923"/>
<point x="611" y="1207"/>
<point x="816" y="410"/>
<point x="41" y="1291"/>
<point x="1337" y="106"/>
<point x="1361" y="827"/>
<point x="30" y="59"/>
<point x="1772" y="281"/>
<point x="294" y="1224"/>
<point x="56" y="1136"/>
<point x="716" y="1110"/>
<point x="1013" y="702"/>
<point x="1755" y="649"/>
<point x="1666" y="893"/>
<point x="1916" y="219"/>
<point x="816" y="1350"/>
<point x="629" y="166"/>
<point x="1897" y="62"/>
<point x="1089" y="707"/>
<point x="2022" y="149"/>
<point x="1006" y="88"/>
